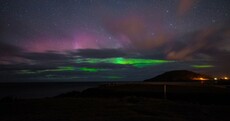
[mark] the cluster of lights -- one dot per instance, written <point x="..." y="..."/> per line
<point x="203" y="79"/>
<point x="223" y="78"/>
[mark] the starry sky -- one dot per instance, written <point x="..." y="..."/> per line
<point x="112" y="40"/>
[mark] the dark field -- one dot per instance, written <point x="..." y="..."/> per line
<point x="124" y="102"/>
<point x="202" y="94"/>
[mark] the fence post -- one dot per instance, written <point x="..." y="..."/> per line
<point x="165" y="91"/>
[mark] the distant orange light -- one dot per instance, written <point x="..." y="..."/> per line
<point x="202" y="79"/>
<point x="226" y="78"/>
<point x="215" y="78"/>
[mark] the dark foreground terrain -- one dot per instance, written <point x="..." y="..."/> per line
<point x="132" y="102"/>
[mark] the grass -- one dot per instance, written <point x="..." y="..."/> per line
<point x="109" y="109"/>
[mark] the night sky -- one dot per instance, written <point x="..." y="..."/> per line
<point x="112" y="40"/>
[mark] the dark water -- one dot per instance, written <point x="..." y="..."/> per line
<point x="40" y="90"/>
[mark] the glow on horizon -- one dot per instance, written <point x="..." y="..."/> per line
<point x="86" y="69"/>
<point x="26" y="72"/>
<point x="124" y="61"/>
<point x="58" y="69"/>
<point x="113" y="77"/>
<point x="202" y="66"/>
<point x="62" y="69"/>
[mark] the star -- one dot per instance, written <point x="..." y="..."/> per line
<point x="213" y="21"/>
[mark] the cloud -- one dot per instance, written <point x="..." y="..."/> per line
<point x="46" y="56"/>
<point x="10" y="54"/>
<point x="185" y="6"/>
<point x="192" y="43"/>
<point x="220" y="58"/>
<point x="99" y="53"/>
<point x="133" y="32"/>
<point x="9" y="50"/>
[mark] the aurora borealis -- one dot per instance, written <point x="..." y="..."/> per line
<point x="203" y="66"/>
<point x="124" y="61"/>
<point x="112" y="40"/>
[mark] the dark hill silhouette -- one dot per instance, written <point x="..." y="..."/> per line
<point x="179" y="75"/>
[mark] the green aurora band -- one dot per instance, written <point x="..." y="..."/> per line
<point x="59" y="69"/>
<point x="113" y="77"/>
<point x="91" y="69"/>
<point x="140" y="63"/>
<point x="62" y="69"/>
<point x="202" y="66"/>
